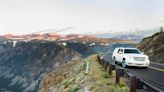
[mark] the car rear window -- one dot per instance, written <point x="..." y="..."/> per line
<point x="132" y="51"/>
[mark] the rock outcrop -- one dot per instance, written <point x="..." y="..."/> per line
<point x="153" y="46"/>
<point x="22" y="67"/>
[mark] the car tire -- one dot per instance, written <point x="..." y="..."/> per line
<point x="115" y="62"/>
<point x="146" y="67"/>
<point x="124" y="64"/>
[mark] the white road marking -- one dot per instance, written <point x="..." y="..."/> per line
<point x="158" y="69"/>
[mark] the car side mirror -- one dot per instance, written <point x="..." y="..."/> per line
<point x="142" y="52"/>
<point x="120" y="52"/>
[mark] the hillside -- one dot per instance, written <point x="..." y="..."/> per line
<point x="3" y="39"/>
<point x="100" y="40"/>
<point x="74" y="79"/>
<point x="153" y="46"/>
<point x="22" y="67"/>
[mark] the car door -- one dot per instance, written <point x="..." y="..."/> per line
<point x="119" y="55"/>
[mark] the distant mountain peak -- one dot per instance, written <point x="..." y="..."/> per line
<point x="129" y="37"/>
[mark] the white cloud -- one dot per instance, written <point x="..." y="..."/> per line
<point x="25" y="16"/>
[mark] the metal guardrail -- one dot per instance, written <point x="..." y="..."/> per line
<point x="136" y="82"/>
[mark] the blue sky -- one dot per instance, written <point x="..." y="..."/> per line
<point x="27" y="16"/>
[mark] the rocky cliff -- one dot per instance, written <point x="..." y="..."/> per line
<point x="153" y="46"/>
<point x="22" y="67"/>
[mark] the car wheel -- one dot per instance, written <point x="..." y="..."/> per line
<point x="146" y="67"/>
<point x="115" y="61"/>
<point x="124" y="64"/>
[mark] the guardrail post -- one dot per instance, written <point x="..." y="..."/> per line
<point x="139" y="84"/>
<point x="106" y="65"/>
<point x="117" y="76"/>
<point x="121" y="71"/>
<point x="102" y="62"/>
<point x="113" y="67"/>
<point x="133" y="84"/>
<point x="98" y="58"/>
<point x="110" y="69"/>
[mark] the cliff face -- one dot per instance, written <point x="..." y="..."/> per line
<point x="153" y="46"/>
<point x="22" y="67"/>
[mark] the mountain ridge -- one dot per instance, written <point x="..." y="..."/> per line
<point x="153" y="46"/>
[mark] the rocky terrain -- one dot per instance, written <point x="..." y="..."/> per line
<point x="101" y="40"/>
<point x="22" y="67"/>
<point x="153" y="46"/>
<point x="69" y="37"/>
<point x="2" y="39"/>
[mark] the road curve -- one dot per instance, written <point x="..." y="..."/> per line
<point x="155" y="73"/>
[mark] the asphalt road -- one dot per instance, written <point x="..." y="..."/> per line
<point x="155" y="72"/>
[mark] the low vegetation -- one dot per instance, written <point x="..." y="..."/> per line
<point x="74" y="79"/>
<point x="100" y="81"/>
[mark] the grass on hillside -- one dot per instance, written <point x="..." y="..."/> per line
<point x="100" y="81"/>
<point x="97" y="80"/>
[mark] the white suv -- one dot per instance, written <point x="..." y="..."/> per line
<point x="130" y="57"/>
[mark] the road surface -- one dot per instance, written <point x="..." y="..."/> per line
<point x="154" y="74"/>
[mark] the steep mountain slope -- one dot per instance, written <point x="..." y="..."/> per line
<point x="3" y="39"/>
<point x="22" y="67"/>
<point x="154" y="47"/>
<point x="101" y="40"/>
